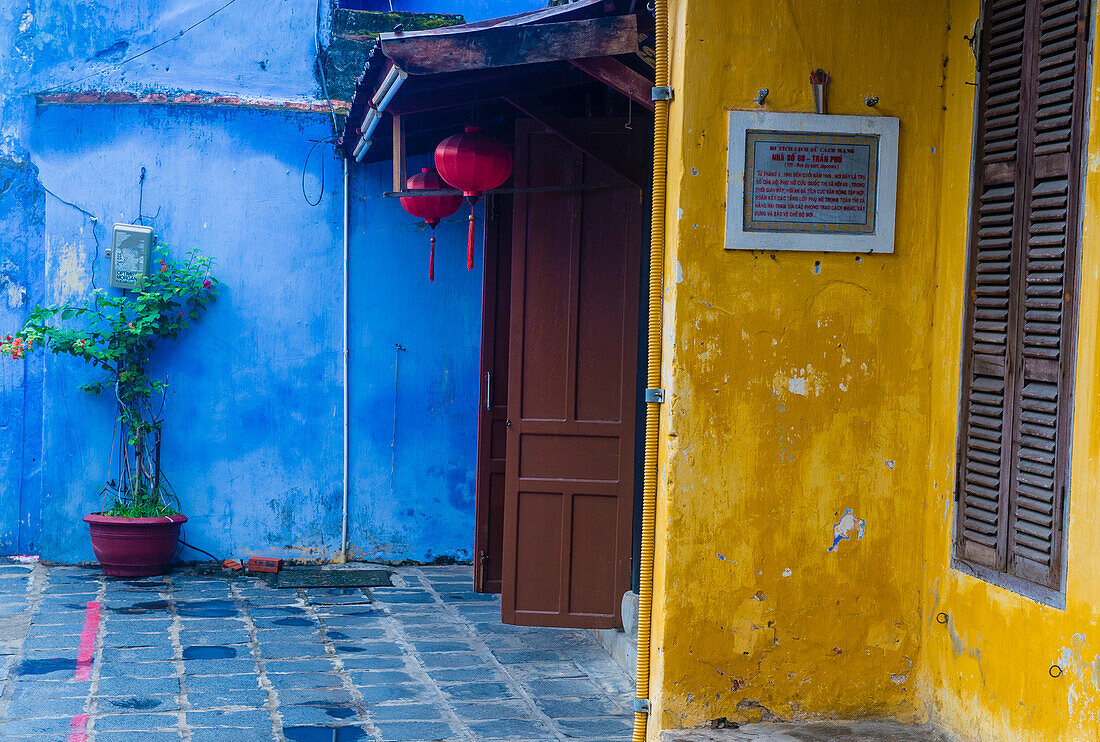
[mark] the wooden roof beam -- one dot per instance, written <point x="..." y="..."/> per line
<point x="508" y="46"/>
<point x="619" y="77"/>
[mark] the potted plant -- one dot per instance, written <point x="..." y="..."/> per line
<point x="136" y="531"/>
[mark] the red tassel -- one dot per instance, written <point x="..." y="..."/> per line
<point x="470" y="242"/>
<point x="431" y="260"/>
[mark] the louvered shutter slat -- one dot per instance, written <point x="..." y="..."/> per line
<point x="1043" y="291"/>
<point x="982" y="448"/>
<point x="1013" y="439"/>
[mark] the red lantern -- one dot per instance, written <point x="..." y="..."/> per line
<point x="429" y="208"/>
<point x="473" y="163"/>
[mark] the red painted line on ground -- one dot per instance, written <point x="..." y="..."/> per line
<point x="86" y="653"/>
<point x="78" y="723"/>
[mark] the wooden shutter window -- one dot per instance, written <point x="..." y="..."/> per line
<point x="1021" y="308"/>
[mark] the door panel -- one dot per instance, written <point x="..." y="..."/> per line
<point x="569" y="477"/>
<point x="492" y="421"/>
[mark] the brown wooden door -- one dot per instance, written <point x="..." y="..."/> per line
<point x="491" y="430"/>
<point x="571" y="390"/>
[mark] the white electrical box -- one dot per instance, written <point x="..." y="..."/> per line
<point x="131" y="250"/>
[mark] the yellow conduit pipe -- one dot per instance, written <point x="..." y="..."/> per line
<point x="653" y="372"/>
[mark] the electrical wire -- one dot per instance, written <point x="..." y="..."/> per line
<point x="95" y="236"/>
<point x="321" y="69"/>
<point x="201" y="551"/>
<point x="305" y="166"/>
<point x="142" y="53"/>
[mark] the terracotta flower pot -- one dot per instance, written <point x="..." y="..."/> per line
<point x="134" y="547"/>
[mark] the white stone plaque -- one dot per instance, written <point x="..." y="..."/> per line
<point x="811" y="182"/>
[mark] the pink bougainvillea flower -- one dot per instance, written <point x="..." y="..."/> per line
<point x="206" y="284"/>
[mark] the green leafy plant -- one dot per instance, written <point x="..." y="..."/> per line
<point x="116" y="334"/>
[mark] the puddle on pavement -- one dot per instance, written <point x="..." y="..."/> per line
<point x="323" y="734"/>
<point x="293" y="622"/>
<point x="146" y="606"/>
<point x="337" y="635"/>
<point x="206" y="609"/>
<point x="349" y="648"/>
<point x="134" y="702"/>
<point x="44" y="667"/>
<point x="202" y="652"/>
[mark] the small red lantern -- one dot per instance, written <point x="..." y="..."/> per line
<point x="429" y="208"/>
<point x="473" y="162"/>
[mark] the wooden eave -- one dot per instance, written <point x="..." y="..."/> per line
<point x="503" y="59"/>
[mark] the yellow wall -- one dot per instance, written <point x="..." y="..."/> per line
<point x="798" y="382"/>
<point x="804" y="384"/>
<point x="985" y="672"/>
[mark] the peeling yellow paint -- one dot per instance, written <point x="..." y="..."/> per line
<point x="801" y="402"/>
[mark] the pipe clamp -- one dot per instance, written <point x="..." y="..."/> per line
<point x="641" y="705"/>
<point x="654" y="396"/>
<point x="662" y="93"/>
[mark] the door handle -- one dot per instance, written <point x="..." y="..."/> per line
<point x="488" y="391"/>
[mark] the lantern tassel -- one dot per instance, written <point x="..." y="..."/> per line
<point x="431" y="258"/>
<point x="470" y="242"/>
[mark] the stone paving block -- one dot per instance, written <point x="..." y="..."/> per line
<point x="44" y="708"/>
<point x="315" y="697"/>
<point x="380" y="677"/>
<point x="250" y="719"/>
<point x="318" y="715"/>
<point x="518" y="729"/>
<point x="219" y="667"/>
<point x="122" y="704"/>
<point x="136" y="722"/>
<point x="368" y="662"/>
<point x="354" y="632"/>
<point x="238" y="636"/>
<point x="237" y="735"/>
<point x="306" y="680"/>
<point x="517" y="656"/>
<point x="62" y="689"/>
<point x="488" y="710"/>
<point x="575" y="708"/>
<point x="461" y="674"/>
<point x="44" y="668"/>
<point x="595" y="728"/>
<point x="54" y="630"/>
<point x="372" y="694"/>
<point x="313" y="664"/>
<point x="58" y="727"/>
<point x="370" y="648"/>
<point x="564" y="687"/>
<point x="450" y="659"/>
<point x="140" y="654"/>
<point x="477" y="691"/>
<point x="416" y="731"/>
<point x="115" y="625"/>
<point x="277" y="611"/>
<point x="219" y="683"/>
<point x="127" y="639"/>
<point x="130" y="686"/>
<point x="406" y="712"/>
<point x="435" y="645"/>
<point x="137" y="670"/>
<point x="391" y="595"/>
<point x="325" y="734"/>
<point x="277" y="651"/>
<point x="250" y="697"/>
<point x="163" y="736"/>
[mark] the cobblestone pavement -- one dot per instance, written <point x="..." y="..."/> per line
<point x="85" y="658"/>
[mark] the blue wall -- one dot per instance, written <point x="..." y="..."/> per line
<point x="253" y="438"/>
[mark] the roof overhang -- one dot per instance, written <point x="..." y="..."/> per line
<point x="511" y="58"/>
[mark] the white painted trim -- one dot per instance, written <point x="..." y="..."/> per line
<point x="881" y="240"/>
